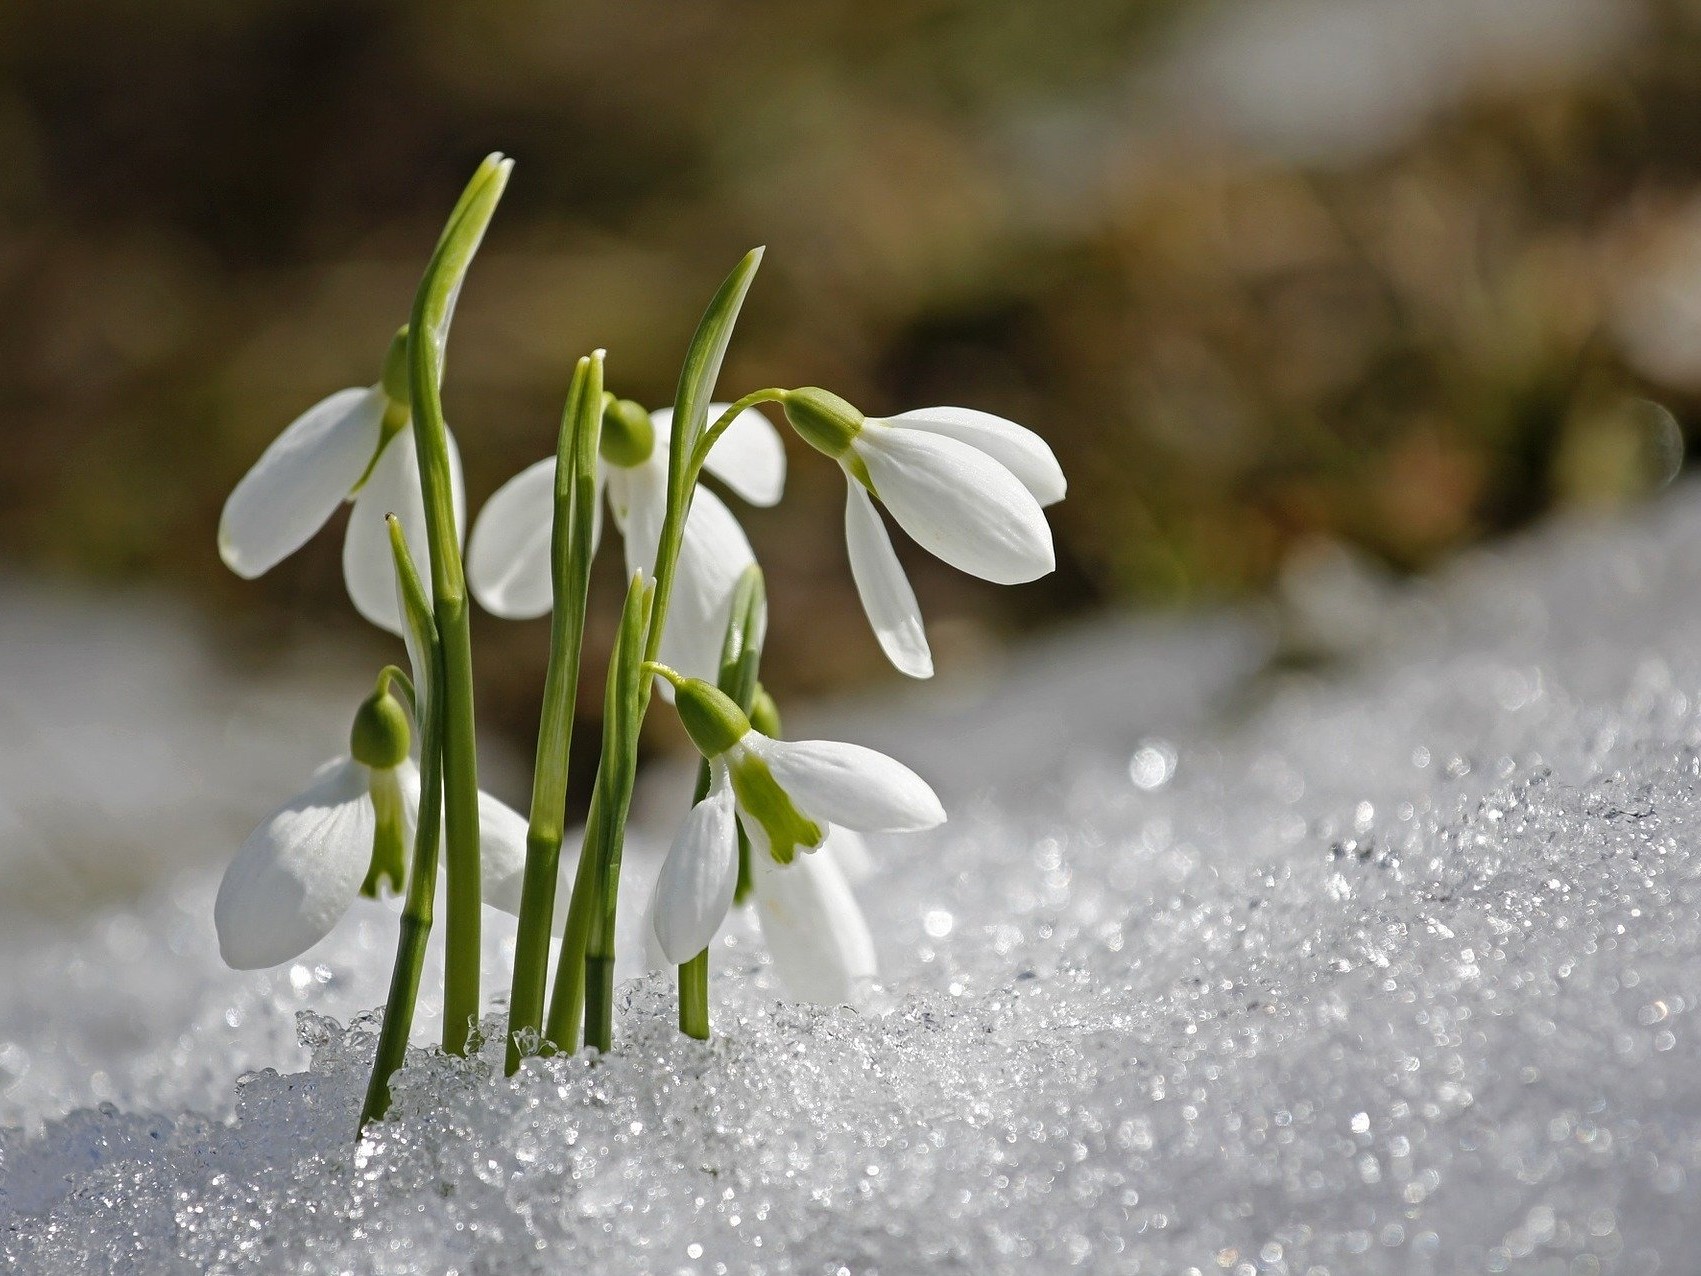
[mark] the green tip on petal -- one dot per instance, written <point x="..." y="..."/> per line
<point x="387" y="870"/>
<point x="762" y="799"/>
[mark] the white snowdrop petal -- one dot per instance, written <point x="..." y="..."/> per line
<point x="1015" y="447"/>
<point x="502" y="849"/>
<point x="958" y="503"/>
<point x="502" y="857"/>
<point x="750" y="457"/>
<point x="508" y="553"/>
<point x="637" y="497"/>
<point x="713" y="554"/>
<point x="654" y="957"/>
<point x="392" y="488"/>
<point x="761" y="847"/>
<point x="883" y="587"/>
<point x="813" y="928"/>
<point x="299" y="480"/>
<point x="699" y="875"/>
<point x="847" y="784"/>
<point x="849" y="850"/>
<point x="298" y="872"/>
<point x="407" y="780"/>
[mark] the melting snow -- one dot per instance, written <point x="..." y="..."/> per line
<point x="1385" y="972"/>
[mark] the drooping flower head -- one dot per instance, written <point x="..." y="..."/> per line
<point x="968" y="486"/>
<point x="349" y="833"/>
<point x="356" y="445"/>
<point x="809" y="919"/>
<point x="508" y="556"/>
<point x="786" y="795"/>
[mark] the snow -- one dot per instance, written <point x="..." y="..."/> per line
<point x="1386" y="970"/>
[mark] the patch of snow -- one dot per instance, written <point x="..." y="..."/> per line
<point x="1391" y="972"/>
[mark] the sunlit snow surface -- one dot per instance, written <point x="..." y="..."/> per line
<point x="1391" y="971"/>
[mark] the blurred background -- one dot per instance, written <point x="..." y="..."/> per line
<point x="1307" y="294"/>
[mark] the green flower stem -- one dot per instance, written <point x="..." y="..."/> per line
<point x="428" y="332"/>
<point x="567" y="1002"/>
<point x="694" y="996"/>
<point x="570" y="563"/>
<point x="422" y="879"/>
<point x="741" y="656"/>
<point x="690" y="412"/>
<point x="625" y="710"/>
<point x="390" y="676"/>
<point x="712" y="435"/>
<point x="628" y="688"/>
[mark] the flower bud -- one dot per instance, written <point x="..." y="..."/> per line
<point x="379" y="737"/>
<point x="711" y="718"/>
<point x="824" y="421"/>
<point x="765" y="714"/>
<point x="628" y="435"/>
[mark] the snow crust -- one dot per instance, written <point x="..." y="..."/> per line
<point x="1383" y="971"/>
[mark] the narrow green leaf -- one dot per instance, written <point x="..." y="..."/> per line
<point x="570" y="569"/>
<point x="747" y="626"/>
<point x="421" y="627"/>
<point x="570" y="562"/>
<point x="426" y="658"/>
<point x="702" y="367"/>
<point x="428" y="333"/>
<point x="623" y="710"/>
<point x="434" y="305"/>
<point x="697" y="377"/>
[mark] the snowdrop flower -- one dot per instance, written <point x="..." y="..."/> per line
<point x="785" y="795"/>
<point x="357" y="445"/>
<point x="810" y="921"/>
<point x="822" y="949"/>
<point x="349" y="833"/>
<point x="968" y="486"/>
<point x="508" y="556"/>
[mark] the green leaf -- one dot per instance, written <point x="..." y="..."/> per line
<point x="747" y="625"/>
<point x="570" y="569"/>
<point x="623" y="713"/>
<point x="434" y="305"/>
<point x="702" y="368"/>
<point x="421" y="627"/>
<point x="428" y="336"/>
<point x="741" y="658"/>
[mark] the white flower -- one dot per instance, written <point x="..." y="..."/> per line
<point x="785" y="795"/>
<point x="300" y="870"/>
<point x="968" y="486"/>
<point x="811" y="923"/>
<point x="820" y="943"/>
<point x="508" y="557"/>
<point x="355" y="445"/>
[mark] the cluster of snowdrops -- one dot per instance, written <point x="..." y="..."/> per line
<point x="774" y="821"/>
